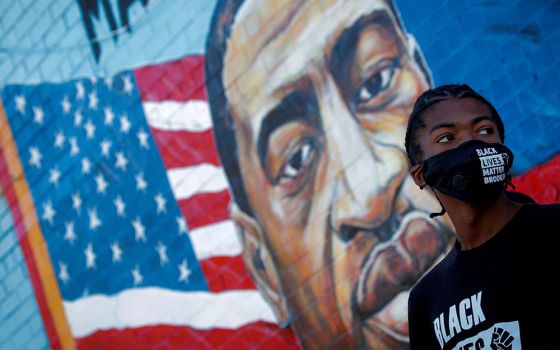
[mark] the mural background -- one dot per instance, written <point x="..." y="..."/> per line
<point x="508" y="50"/>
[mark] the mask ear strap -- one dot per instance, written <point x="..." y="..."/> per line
<point x="442" y="212"/>
<point x="509" y="183"/>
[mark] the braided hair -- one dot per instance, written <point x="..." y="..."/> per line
<point x="429" y="98"/>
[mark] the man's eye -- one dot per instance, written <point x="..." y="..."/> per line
<point x="297" y="162"/>
<point x="375" y="84"/>
<point x="486" y="131"/>
<point x="444" y="139"/>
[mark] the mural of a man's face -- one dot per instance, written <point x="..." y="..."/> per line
<point x="320" y="93"/>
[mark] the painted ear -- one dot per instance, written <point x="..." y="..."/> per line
<point x="417" y="55"/>
<point x="417" y="175"/>
<point x="260" y="264"/>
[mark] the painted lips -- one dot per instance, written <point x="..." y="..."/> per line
<point x="396" y="265"/>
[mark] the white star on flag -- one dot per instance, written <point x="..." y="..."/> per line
<point x="54" y="176"/>
<point x="20" y="103"/>
<point x="162" y="252"/>
<point x="117" y="252"/>
<point x="90" y="256"/>
<point x="66" y="105"/>
<point x="139" y="230"/>
<point x="184" y="271"/>
<point x="59" y="139"/>
<point x="182" y="225"/>
<point x="143" y="138"/>
<point x="38" y="115"/>
<point x="48" y="212"/>
<point x="160" y="202"/>
<point x="105" y="147"/>
<point x="137" y="275"/>
<point x="121" y="161"/>
<point x="80" y="91"/>
<point x="94" y="221"/>
<point x="90" y="129"/>
<point x="93" y="101"/>
<point x="125" y="123"/>
<point x="36" y="157"/>
<point x="127" y="84"/>
<point x="101" y="183"/>
<point x="69" y="234"/>
<point x="63" y="273"/>
<point x="86" y="166"/>
<point x="109" y="82"/>
<point x="119" y="204"/>
<point x="74" y="149"/>
<point x="78" y="118"/>
<point x="109" y="115"/>
<point x="76" y="201"/>
<point x="141" y="184"/>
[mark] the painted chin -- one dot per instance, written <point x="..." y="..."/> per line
<point x="388" y="273"/>
<point x="389" y="328"/>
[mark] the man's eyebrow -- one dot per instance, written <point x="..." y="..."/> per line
<point x="452" y="125"/>
<point x="481" y="118"/>
<point x="297" y="105"/>
<point x="442" y="125"/>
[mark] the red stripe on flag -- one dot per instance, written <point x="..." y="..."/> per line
<point x="179" y="80"/>
<point x="225" y="273"/>
<point x="258" y="335"/>
<point x="185" y="148"/>
<point x="205" y="208"/>
<point x="542" y="182"/>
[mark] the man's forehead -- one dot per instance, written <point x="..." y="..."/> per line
<point x="273" y="42"/>
<point x="457" y="111"/>
<point x="449" y="107"/>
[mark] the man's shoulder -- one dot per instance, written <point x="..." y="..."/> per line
<point x="536" y="228"/>
<point x="543" y="221"/>
<point x="542" y="213"/>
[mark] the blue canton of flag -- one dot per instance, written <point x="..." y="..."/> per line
<point x="100" y="188"/>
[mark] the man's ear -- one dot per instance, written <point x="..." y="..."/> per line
<point x="260" y="264"/>
<point x="417" y="175"/>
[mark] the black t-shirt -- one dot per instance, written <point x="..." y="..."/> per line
<point x="502" y="293"/>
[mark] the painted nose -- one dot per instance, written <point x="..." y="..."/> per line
<point x="364" y="172"/>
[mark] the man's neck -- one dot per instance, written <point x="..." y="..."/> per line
<point x="476" y="225"/>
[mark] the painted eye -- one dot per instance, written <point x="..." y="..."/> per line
<point x="297" y="162"/>
<point x="375" y="84"/>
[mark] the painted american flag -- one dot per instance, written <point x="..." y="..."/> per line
<point x="132" y="204"/>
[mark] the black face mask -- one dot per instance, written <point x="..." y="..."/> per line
<point x="474" y="172"/>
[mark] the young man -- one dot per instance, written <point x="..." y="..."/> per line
<point x="490" y="291"/>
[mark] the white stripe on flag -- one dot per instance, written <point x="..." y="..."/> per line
<point x="188" y="181"/>
<point x="219" y="239"/>
<point x="155" y="306"/>
<point x="192" y="115"/>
